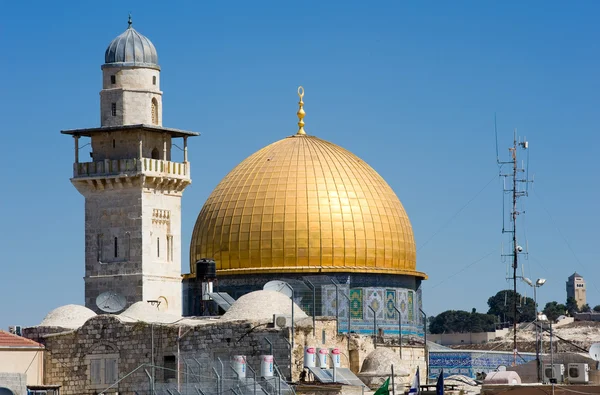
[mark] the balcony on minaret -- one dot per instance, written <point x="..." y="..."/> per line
<point x="131" y="154"/>
<point x="148" y="166"/>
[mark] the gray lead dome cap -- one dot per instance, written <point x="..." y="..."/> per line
<point x="131" y="49"/>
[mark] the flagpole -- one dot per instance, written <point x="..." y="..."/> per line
<point x="393" y="384"/>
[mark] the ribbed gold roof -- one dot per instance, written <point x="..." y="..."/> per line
<point x="304" y="205"/>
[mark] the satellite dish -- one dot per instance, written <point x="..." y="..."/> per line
<point x="595" y="351"/>
<point x="278" y="286"/>
<point x="111" y="302"/>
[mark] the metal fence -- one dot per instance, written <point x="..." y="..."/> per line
<point x="318" y="296"/>
<point x="321" y="295"/>
<point x="193" y="377"/>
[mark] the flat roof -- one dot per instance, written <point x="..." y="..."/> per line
<point x="151" y="128"/>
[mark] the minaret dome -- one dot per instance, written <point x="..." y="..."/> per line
<point x="131" y="48"/>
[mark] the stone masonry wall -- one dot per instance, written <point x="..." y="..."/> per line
<point x="146" y="265"/>
<point x="110" y="214"/>
<point x="360" y="346"/>
<point x="125" y="144"/>
<point x="132" y="93"/>
<point x="161" y="215"/>
<point x="39" y="333"/>
<point x="16" y="382"/>
<point x="68" y="356"/>
<point x="131" y="78"/>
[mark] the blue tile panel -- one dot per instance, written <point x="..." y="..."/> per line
<point x="390" y="302"/>
<point x="469" y="363"/>
<point x="356" y="303"/>
<point x="370" y="304"/>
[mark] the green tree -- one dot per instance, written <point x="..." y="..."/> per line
<point x="458" y="321"/>
<point x="482" y="322"/>
<point x="501" y="305"/>
<point x="553" y="310"/>
<point x="585" y="308"/>
<point x="430" y="320"/>
<point x="572" y="306"/>
<point x="597" y="308"/>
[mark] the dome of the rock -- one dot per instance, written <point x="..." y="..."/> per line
<point x="307" y="217"/>
<point x="304" y="205"/>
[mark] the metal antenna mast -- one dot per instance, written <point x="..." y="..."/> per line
<point x="516" y="193"/>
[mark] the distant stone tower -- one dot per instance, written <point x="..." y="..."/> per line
<point x="132" y="189"/>
<point x="576" y="289"/>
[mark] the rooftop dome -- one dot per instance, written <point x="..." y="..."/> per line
<point x="304" y="205"/>
<point x="261" y="305"/>
<point x="377" y="366"/>
<point x="143" y="311"/>
<point x="131" y="49"/>
<point x="70" y="316"/>
<point x="380" y="360"/>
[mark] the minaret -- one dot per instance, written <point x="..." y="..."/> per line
<point x="132" y="189"/>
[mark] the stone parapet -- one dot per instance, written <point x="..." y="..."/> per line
<point x="129" y="167"/>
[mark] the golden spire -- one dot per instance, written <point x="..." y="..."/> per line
<point x="301" y="112"/>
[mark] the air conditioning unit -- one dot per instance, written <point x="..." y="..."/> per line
<point x="282" y="321"/>
<point x="559" y="373"/>
<point x="578" y="373"/>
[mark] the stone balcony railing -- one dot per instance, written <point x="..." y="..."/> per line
<point x="132" y="167"/>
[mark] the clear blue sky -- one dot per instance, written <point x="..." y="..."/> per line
<point x="411" y="89"/>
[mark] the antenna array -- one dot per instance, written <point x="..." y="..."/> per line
<point x="516" y="186"/>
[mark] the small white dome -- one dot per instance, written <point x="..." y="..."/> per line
<point x="380" y="361"/>
<point x="262" y="305"/>
<point x="143" y="311"/>
<point x="70" y="316"/>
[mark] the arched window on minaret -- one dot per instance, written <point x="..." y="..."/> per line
<point x="154" y="111"/>
<point x="154" y="153"/>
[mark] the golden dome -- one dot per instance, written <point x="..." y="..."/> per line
<point x="304" y="205"/>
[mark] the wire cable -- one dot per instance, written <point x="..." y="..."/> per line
<point x="456" y="213"/>
<point x="539" y="263"/>
<point x="464" y="268"/>
<point x="561" y="234"/>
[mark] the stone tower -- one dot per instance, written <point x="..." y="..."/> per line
<point x="576" y="289"/>
<point x="132" y="188"/>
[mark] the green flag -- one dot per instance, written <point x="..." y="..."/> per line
<point x="383" y="390"/>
